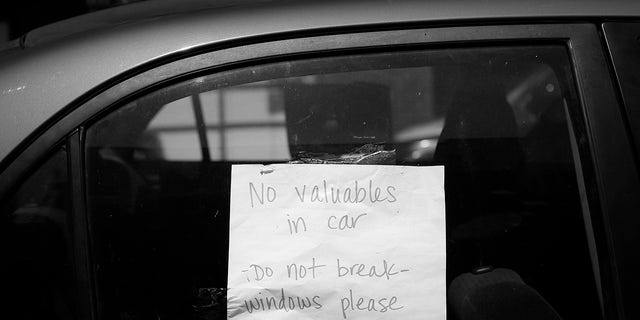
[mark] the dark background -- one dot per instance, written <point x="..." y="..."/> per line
<point x="20" y="16"/>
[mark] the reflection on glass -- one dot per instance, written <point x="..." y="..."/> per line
<point x="36" y="250"/>
<point x="257" y="143"/>
<point x="180" y="145"/>
<point x="175" y="115"/>
<point x="250" y="104"/>
<point x="211" y="107"/>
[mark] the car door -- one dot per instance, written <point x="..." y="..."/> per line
<point x="539" y="173"/>
<point x="622" y="43"/>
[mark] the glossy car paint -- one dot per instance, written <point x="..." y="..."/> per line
<point x="58" y="64"/>
<point x="54" y="67"/>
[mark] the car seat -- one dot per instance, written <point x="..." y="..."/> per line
<point x="497" y="294"/>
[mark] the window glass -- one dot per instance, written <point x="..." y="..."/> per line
<point x="36" y="248"/>
<point x="495" y="117"/>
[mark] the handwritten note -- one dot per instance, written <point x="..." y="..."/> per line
<point x="336" y="242"/>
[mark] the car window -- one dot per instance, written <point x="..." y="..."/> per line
<point x="36" y="249"/>
<point x="158" y="169"/>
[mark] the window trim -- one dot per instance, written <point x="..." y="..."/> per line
<point x="81" y="241"/>
<point x="611" y="174"/>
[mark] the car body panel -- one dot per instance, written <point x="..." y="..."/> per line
<point x="43" y="77"/>
<point x="58" y="77"/>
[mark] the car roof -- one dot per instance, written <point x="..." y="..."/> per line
<point x="52" y="66"/>
<point x="433" y="10"/>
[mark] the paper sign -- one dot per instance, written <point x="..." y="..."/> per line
<point x="336" y="242"/>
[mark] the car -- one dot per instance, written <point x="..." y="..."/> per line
<point x="119" y="130"/>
